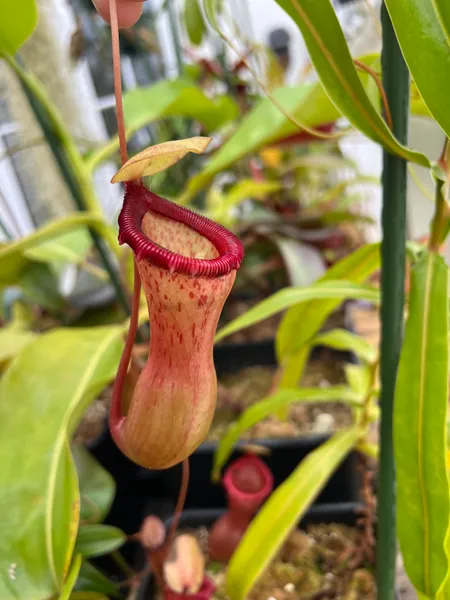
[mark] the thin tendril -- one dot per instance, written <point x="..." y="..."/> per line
<point x="180" y="502"/>
<point x="118" y="80"/>
<point x="387" y="111"/>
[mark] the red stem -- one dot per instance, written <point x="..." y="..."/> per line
<point x="180" y="502"/>
<point x="115" y="415"/>
<point x="118" y="80"/>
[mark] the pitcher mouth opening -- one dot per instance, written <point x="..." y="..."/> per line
<point x="192" y="235"/>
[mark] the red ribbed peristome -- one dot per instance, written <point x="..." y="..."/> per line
<point x="138" y="201"/>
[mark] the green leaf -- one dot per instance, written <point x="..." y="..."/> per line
<point x="55" y="378"/>
<point x="220" y="206"/>
<point x="66" y="592"/>
<point x="302" y="322"/>
<point x="96" y="540"/>
<point x="178" y="97"/>
<point x="71" y="247"/>
<point x="18" y="22"/>
<point x="270" y="406"/>
<point x="281" y="512"/>
<point x="39" y="284"/>
<point x="420" y="413"/>
<point x="13" y="338"/>
<point x="92" y="580"/>
<point x="341" y="339"/>
<point x="193" y="20"/>
<point x="443" y="10"/>
<point x="329" y="53"/>
<point x="293" y="367"/>
<point x="97" y="486"/>
<point x="426" y="48"/>
<point x="337" y="290"/>
<point x="246" y="189"/>
<point x="358" y="377"/>
<point x="12" y="255"/>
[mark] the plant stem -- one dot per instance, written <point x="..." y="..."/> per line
<point x="75" y="172"/>
<point x="439" y="219"/>
<point x="393" y="251"/>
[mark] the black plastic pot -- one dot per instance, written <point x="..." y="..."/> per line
<point x="343" y="513"/>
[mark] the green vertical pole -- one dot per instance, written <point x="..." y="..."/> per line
<point x="396" y="84"/>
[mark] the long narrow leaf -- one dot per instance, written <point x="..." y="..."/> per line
<point x="442" y="8"/>
<point x="96" y="540"/>
<point x="336" y="290"/>
<point x="333" y="62"/>
<point x="340" y="339"/>
<point x="285" y="507"/>
<point x="66" y="592"/>
<point x="420" y="414"/>
<point x="272" y="405"/>
<point x="426" y="48"/>
<point x="302" y="322"/>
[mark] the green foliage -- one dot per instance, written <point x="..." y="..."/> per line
<point x="337" y="290"/>
<point x="283" y="510"/>
<point x="15" y="336"/>
<point x="71" y="247"/>
<point x="356" y="268"/>
<point x="46" y="244"/>
<point x="17" y="23"/>
<point x="55" y="378"/>
<point x="39" y="284"/>
<point x="66" y="592"/>
<point x="265" y="123"/>
<point x="420" y="416"/>
<point x="178" y="97"/>
<point x="97" y="486"/>
<point x="358" y="377"/>
<point x="193" y="21"/>
<point x="271" y="406"/>
<point x="423" y="31"/>
<point x="96" y="540"/>
<point x="341" y="339"/>
<point x="220" y="205"/>
<point x="333" y="62"/>
<point x="92" y="580"/>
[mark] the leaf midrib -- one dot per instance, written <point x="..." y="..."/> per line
<point x="420" y="423"/>
<point x="59" y="444"/>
